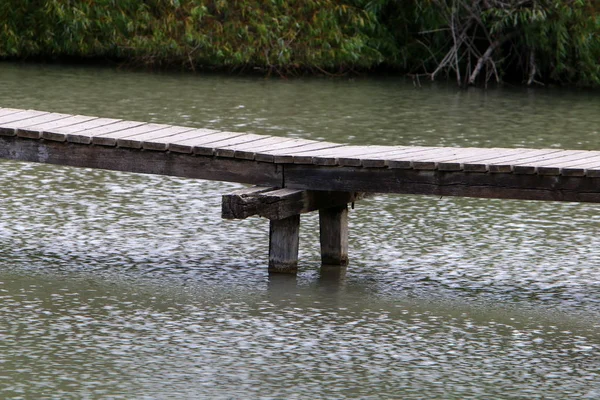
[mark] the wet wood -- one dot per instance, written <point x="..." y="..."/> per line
<point x="275" y="203"/>
<point x="173" y="142"/>
<point x="333" y="229"/>
<point x="284" y="238"/>
<point x="136" y="142"/>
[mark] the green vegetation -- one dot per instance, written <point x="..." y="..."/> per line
<point x="472" y="41"/>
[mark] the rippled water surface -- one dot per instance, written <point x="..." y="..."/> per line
<point x="116" y="285"/>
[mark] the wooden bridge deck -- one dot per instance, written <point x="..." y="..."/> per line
<point x="85" y="141"/>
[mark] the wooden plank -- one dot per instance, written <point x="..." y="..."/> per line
<point x="476" y="160"/>
<point x="505" y="164"/>
<point x="21" y="115"/>
<point x="189" y="146"/>
<point x="135" y="142"/>
<point x="332" y="156"/>
<point x="110" y="138"/>
<point x="7" y="122"/>
<point x="269" y="154"/>
<point x="147" y="162"/>
<point x="59" y="134"/>
<point x="247" y="150"/>
<point x="36" y="131"/>
<point x="381" y="160"/>
<point x="443" y="183"/>
<point x="209" y="148"/>
<point x="549" y="162"/>
<point x="333" y="230"/>
<point x="290" y="155"/>
<point x="85" y="137"/>
<point x="8" y="111"/>
<point x="274" y="203"/>
<point x="11" y="129"/>
<point x="164" y="143"/>
<point x="580" y="168"/>
<point x="284" y="238"/>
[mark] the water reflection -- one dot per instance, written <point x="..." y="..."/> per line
<point x="116" y="285"/>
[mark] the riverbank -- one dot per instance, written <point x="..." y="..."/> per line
<point x="471" y="42"/>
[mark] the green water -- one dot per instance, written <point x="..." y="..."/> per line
<point x="116" y="285"/>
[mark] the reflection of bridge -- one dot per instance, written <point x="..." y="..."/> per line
<point x="305" y="168"/>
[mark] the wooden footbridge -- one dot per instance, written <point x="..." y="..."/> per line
<point x="295" y="176"/>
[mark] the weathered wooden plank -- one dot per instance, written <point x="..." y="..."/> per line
<point x="189" y="146"/>
<point x="531" y="166"/>
<point x="444" y="183"/>
<point x="292" y="156"/>
<point x="577" y="168"/>
<point x="247" y="150"/>
<point x="85" y="137"/>
<point x="11" y="129"/>
<point x="36" y="131"/>
<point x="8" y="123"/>
<point x="507" y="163"/>
<point x="284" y="238"/>
<point x="283" y="150"/>
<point x="59" y="134"/>
<point x="476" y="160"/>
<point x="210" y="148"/>
<point x="110" y="138"/>
<point x="147" y="162"/>
<point x="8" y="111"/>
<point x="20" y="116"/>
<point x="332" y="156"/>
<point x="135" y="142"/>
<point x="165" y="142"/>
<point x="333" y="230"/>
<point x="401" y="154"/>
<point x="274" y="203"/>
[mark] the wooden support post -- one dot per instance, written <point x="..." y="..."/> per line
<point x="284" y="237"/>
<point x="334" y="235"/>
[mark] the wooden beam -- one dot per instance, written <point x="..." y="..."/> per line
<point x="333" y="223"/>
<point x="140" y="161"/>
<point x="445" y="183"/>
<point x="284" y="237"/>
<point x="275" y="204"/>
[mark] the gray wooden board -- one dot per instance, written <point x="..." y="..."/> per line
<point x="246" y="150"/>
<point x="36" y="131"/>
<point x="189" y="145"/>
<point x="474" y="158"/>
<point x="60" y="133"/>
<point x="443" y="183"/>
<point x="283" y="157"/>
<point x="136" y="141"/>
<point x="110" y="138"/>
<point x="382" y="160"/>
<point x="269" y="154"/>
<point x="166" y="142"/>
<point x="332" y="155"/>
<point x="550" y="162"/>
<point x="7" y="122"/>
<point x="209" y="148"/>
<point x="85" y="137"/>
<point x="8" y="111"/>
<point x="14" y="126"/>
<point x="139" y="161"/>
<point x="505" y="164"/>
<point x="19" y="116"/>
